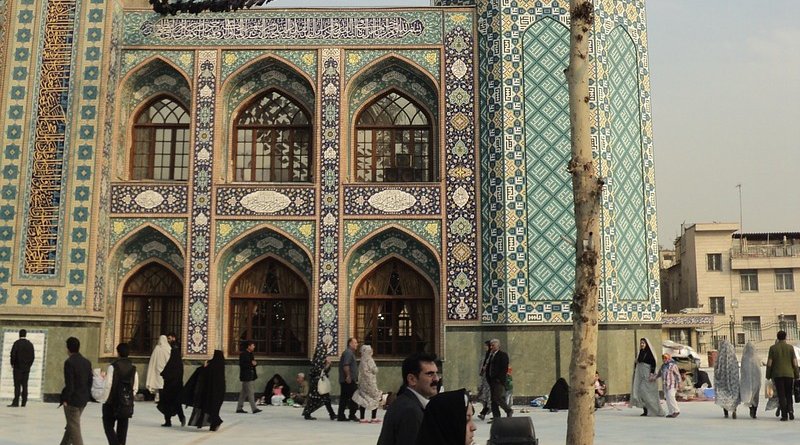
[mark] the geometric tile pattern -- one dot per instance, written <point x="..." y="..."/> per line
<point x="356" y="231"/>
<point x="550" y="211"/>
<point x="269" y="27"/>
<point x="300" y="232"/>
<point x="625" y="182"/>
<point x="101" y="290"/>
<point x="182" y="59"/>
<point x="261" y="243"/>
<point x="294" y="201"/>
<point x="329" y="257"/>
<point x="422" y="200"/>
<point x="357" y="59"/>
<point x="393" y="73"/>
<point x="462" y="282"/>
<point x="305" y="60"/>
<point x="389" y="243"/>
<point x="122" y="227"/>
<point x="200" y="221"/>
<point x="49" y="147"/>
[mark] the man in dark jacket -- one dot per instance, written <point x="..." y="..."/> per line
<point x="404" y="416"/>
<point x="496" y="372"/>
<point x="121" y="376"/>
<point x="247" y="375"/>
<point x="76" y="392"/>
<point x="21" y="361"/>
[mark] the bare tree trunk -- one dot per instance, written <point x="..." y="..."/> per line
<point x="587" y="189"/>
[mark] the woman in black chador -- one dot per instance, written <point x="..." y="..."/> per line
<point x="169" y="402"/>
<point x="559" y="396"/>
<point x="447" y="420"/>
<point x="644" y="390"/>
<point x="319" y="367"/>
<point x="205" y="391"/>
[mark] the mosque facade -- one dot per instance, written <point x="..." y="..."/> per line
<point x="296" y="176"/>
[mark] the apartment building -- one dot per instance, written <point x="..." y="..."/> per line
<point x="745" y="281"/>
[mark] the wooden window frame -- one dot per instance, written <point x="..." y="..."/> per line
<point x="152" y="128"/>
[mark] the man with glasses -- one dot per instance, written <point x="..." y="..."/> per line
<point x="404" y="416"/>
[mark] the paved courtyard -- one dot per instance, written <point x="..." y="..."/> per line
<point x="699" y="422"/>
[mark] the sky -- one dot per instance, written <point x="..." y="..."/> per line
<point x="725" y="86"/>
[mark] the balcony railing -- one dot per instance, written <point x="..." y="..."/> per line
<point x="767" y="250"/>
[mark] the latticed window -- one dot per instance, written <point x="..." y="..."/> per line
<point x="269" y="305"/>
<point x="273" y="141"/>
<point x="161" y="142"/>
<point x="394" y="142"/>
<point x="394" y="310"/>
<point x="152" y="305"/>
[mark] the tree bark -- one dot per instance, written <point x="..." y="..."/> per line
<point x="587" y="191"/>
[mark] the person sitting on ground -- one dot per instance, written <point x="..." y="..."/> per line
<point x="269" y="390"/>
<point x="300" y="396"/>
<point x="559" y="396"/>
<point x="600" y="390"/>
<point x="686" y="390"/>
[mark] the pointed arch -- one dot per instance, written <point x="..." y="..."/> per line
<point x="151" y="78"/>
<point x="266" y="279"/>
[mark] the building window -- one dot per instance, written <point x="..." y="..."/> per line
<point x="272" y="141"/>
<point x="680" y="336"/>
<point x="152" y="305"/>
<point x="161" y="142"/>
<point x="714" y="261"/>
<point x="394" y="310"/>
<point x="269" y="306"/>
<point x="784" y="279"/>
<point x="717" y="305"/>
<point x="394" y="142"/>
<point x="749" y="279"/>
<point x="789" y="324"/>
<point x="752" y="327"/>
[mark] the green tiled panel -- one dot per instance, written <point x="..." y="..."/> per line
<point x="551" y="223"/>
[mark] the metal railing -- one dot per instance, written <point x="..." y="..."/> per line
<point x="766" y="250"/>
<point x="761" y="335"/>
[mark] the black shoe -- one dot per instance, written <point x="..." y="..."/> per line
<point x="307" y="417"/>
<point x="725" y="412"/>
<point x="215" y="427"/>
<point x="166" y="424"/>
<point x="256" y="411"/>
<point x="183" y="420"/>
<point x="342" y="419"/>
<point x="241" y="411"/>
<point x="333" y="417"/>
<point x="753" y="412"/>
<point x="13" y="405"/>
<point x="791" y="415"/>
<point x="353" y="419"/>
<point x="640" y="415"/>
<point x="784" y="419"/>
<point x="733" y="415"/>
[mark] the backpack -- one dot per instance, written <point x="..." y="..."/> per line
<point x="123" y="393"/>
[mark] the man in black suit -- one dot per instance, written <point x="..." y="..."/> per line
<point x="404" y="416"/>
<point x="76" y="393"/>
<point x="496" y="371"/>
<point x="21" y="361"/>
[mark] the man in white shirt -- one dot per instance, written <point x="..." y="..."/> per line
<point x="404" y="416"/>
<point x="122" y="371"/>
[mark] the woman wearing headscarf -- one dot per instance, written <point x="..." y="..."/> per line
<point x="559" y="396"/>
<point x="276" y="381"/>
<point x="644" y="390"/>
<point x="484" y="390"/>
<point x="368" y="396"/>
<point x="170" y="402"/>
<point x="750" y="378"/>
<point x="726" y="379"/>
<point x="320" y="365"/>
<point x="158" y="360"/>
<point x="447" y="420"/>
<point x="205" y="391"/>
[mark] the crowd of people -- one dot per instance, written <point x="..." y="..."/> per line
<point x="418" y="413"/>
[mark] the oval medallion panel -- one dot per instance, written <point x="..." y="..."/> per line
<point x="265" y="201"/>
<point x="391" y="201"/>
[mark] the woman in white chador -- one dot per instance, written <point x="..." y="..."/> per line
<point x="750" y="378"/>
<point x="368" y="396"/>
<point x="726" y="379"/>
<point x="157" y="363"/>
<point x="644" y="390"/>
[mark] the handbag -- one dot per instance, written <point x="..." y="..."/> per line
<point x="324" y="385"/>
